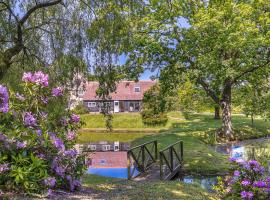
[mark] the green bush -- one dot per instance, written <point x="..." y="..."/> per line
<point x="150" y="118"/>
<point x="37" y="138"/>
<point x="80" y="109"/>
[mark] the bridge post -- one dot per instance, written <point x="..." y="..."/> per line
<point x="128" y="166"/>
<point x="156" y="150"/>
<point x="161" y="165"/>
<point x="171" y="155"/>
<point x="143" y="158"/>
<point x="182" y="149"/>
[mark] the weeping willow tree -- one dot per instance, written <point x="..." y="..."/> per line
<point x="48" y="35"/>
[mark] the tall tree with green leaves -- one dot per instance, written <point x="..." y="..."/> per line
<point x="220" y="44"/>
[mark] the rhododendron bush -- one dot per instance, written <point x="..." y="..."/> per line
<point x="37" y="138"/>
<point x="249" y="180"/>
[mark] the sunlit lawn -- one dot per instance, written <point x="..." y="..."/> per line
<point x="110" y="188"/>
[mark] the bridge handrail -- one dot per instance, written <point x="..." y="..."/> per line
<point x="143" y="152"/>
<point x="169" y="162"/>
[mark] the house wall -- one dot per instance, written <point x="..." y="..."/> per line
<point x="124" y="106"/>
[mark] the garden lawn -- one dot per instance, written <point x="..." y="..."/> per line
<point x="109" y="188"/>
<point x="127" y="121"/>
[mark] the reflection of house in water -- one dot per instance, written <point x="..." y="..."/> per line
<point x="106" y="146"/>
<point x="107" y="154"/>
<point x="108" y="159"/>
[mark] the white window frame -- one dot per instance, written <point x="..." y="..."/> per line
<point x="137" y="87"/>
<point x="106" y="147"/>
<point x="91" y="104"/>
<point x="92" y="147"/>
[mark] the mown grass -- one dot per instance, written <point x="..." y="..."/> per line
<point x="124" y="121"/>
<point x="123" y="189"/>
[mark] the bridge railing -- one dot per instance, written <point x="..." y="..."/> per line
<point x="171" y="160"/>
<point x="141" y="157"/>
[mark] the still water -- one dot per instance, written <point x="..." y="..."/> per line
<point x="114" y="164"/>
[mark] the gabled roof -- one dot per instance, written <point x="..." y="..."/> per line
<point x="125" y="90"/>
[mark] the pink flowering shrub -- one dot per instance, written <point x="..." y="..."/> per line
<point x="249" y="181"/>
<point x="37" y="138"/>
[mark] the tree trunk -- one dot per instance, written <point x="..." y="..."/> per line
<point x="252" y="120"/>
<point x="217" y="113"/>
<point x="225" y="105"/>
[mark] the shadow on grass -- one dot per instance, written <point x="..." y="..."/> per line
<point x="123" y="189"/>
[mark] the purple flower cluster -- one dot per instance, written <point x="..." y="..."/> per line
<point x="247" y="195"/>
<point x="38" y="78"/>
<point x="50" y="182"/>
<point x="73" y="184"/>
<point x="259" y="184"/>
<point x="4" y="98"/>
<point x="71" y="135"/>
<point x="248" y="181"/>
<point x="70" y="153"/>
<point x="56" y="92"/>
<point x="29" y="119"/>
<point x="4" y="167"/>
<point x="21" y="145"/>
<point x="74" y="118"/>
<point x="57" y="142"/>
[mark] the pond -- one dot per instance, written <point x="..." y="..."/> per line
<point x="114" y="163"/>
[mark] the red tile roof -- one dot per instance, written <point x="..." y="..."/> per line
<point x="125" y="90"/>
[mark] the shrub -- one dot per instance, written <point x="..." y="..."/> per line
<point x="37" y="138"/>
<point x="249" y="180"/>
<point x="149" y="118"/>
<point x="80" y="109"/>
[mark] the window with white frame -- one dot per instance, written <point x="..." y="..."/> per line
<point x="137" y="89"/>
<point x="92" y="147"/>
<point x="106" y="147"/>
<point x="91" y="104"/>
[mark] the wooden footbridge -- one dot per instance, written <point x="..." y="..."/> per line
<point x="145" y="162"/>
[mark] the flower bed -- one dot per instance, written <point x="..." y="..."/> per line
<point x="37" y="138"/>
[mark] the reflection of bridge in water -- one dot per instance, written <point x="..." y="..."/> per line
<point x="142" y="162"/>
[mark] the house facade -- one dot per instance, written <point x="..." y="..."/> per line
<point x="127" y="97"/>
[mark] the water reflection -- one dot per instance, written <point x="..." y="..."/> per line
<point x="206" y="183"/>
<point x="110" y="164"/>
<point x="258" y="149"/>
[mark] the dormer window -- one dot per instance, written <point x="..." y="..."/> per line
<point x="137" y="89"/>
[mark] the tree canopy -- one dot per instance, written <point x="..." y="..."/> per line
<point x="218" y="44"/>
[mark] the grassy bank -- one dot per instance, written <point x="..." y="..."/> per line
<point x="125" y="121"/>
<point x="107" y="188"/>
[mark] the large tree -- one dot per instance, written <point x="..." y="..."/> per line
<point x="219" y="44"/>
<point x="42" y="33"/>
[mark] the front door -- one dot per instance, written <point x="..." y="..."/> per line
<point x="116" y="106"/>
